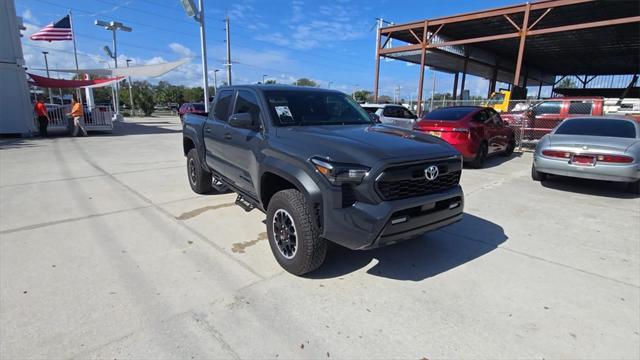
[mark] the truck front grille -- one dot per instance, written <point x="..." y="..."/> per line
<point x="406" y="182"/>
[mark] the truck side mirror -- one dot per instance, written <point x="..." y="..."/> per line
<point x="242" y="121"/>
<point x="375" y="118"/>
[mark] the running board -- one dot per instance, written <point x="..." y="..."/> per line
<point x="244" y="203"/>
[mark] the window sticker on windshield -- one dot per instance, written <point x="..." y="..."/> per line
<point x="284" y="114"/>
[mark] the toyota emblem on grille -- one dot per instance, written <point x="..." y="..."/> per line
<point x="431" y="173"/>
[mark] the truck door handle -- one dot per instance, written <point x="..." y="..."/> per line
<point x="227" y="136"/>
<point x="207" y="129"/>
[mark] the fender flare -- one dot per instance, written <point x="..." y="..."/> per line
<point x="191" y="132"/>
<point x="295" y="175"/>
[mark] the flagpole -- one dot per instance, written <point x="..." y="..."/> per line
<point x="75" y="50"/>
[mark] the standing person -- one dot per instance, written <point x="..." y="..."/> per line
<point x="43" y="116"/>
<point x="78" y="116"/>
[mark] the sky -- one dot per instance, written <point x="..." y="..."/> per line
<point x="331" y="42"/>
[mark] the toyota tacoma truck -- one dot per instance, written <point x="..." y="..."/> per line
<point x="322" y="170"/>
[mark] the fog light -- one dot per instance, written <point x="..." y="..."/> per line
<point x="454" y="205"/>
<point x="398" y="220"/>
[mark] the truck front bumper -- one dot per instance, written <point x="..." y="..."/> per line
<point x="367" y="226"/>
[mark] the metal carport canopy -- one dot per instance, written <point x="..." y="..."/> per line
<point x="537" y="40"/>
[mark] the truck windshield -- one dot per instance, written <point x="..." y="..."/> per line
<point x="305" y="108"/>
<point x="597" y="127"/>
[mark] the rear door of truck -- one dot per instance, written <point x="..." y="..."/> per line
<point x="215" y="128"/>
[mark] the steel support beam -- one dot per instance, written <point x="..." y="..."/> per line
<point x="423" y="55"/>
<point x="464" y="73"/>
<point x="377" y="77"/>
<point x="539" y="89"/>
<point x="455" y="86"/>
<point x="523" y="38"/>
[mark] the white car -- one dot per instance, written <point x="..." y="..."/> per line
<point x="392" y="114"/>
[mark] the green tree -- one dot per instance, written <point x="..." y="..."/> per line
<point x="566" y="83"/>
<point x="270" y="81"/>
<point x="143" y="97"/>
<point x="305" y="82"/>
<point x="195" y="94"/>
<point x="362" y="95"/>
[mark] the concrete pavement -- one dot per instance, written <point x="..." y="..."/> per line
<point x="106" y="253"/>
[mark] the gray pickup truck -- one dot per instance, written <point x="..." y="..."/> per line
<point x="322" y="170"/>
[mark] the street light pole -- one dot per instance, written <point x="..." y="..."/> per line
<point x="198" y="15"/>
<point x="114" y="26"/>
<point x="263" y="76"/>
<point x="215" y="81"/>
<point x="130" y="91"/>
<point x="329" y="84"/>
<point x="46" y="65"/>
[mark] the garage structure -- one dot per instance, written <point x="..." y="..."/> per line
<point x="523" y="45"/>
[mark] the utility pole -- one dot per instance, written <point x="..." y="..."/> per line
<point x="130" y="91"/>
<point x="329" y="84"/>
<point x="228" y="64"/>
<point x="46" y="65"/>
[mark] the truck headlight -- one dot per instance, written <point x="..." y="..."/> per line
<point x="338" y="173"/>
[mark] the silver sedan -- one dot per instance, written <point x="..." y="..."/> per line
<point x="600" y="148"/>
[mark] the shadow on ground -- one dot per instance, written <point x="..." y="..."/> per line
<point x="124" y="128"/>
<point x="422" y="258"/>
<point x="494" y="161"/>
<point x="589" y="187"/>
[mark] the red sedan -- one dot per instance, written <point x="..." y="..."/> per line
<point x="192" y="108"/>
<point x="477" y="132"/>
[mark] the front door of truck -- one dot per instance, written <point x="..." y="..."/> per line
<point x="214" y="129"/>
<point x="242" y="144"/>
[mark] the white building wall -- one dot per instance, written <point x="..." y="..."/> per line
<point x="16" y="114"/>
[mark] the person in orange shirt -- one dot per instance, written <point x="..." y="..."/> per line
<point x="43" y="117"/>
<point x="78" y="117"/>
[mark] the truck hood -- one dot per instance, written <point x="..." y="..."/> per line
<point x="592" y="142"/>
<point x="364" y="144"/>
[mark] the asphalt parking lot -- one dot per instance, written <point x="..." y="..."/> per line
<point x="106" y="253"/>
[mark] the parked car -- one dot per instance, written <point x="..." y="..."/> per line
<point x="321" y="170"/>
<point x="190" y="108"/>
<point x="476" y="132"/>
<point x="597" y="148"/>
<point x="392" y="114"/>
<point x="539" y="119"/>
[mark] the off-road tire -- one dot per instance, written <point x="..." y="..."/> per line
<point x="537" y="175"/>
<point x="199" y="178"/>
<point x="311" y="249"/>
<point x="481" y="156"/>
<point x="634" y="187"/>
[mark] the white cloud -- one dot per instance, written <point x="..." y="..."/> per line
<point x="27" y="15"/>
<point x="181" y="50"/>
<point x="311" y="26"/>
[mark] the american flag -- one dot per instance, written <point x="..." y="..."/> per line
<point x="60" y="30"/>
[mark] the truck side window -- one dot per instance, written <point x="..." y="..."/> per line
<point x="580" y="107"/>
<point x="548" y="107"/>
<point x="248" y="103"/>
<point x="221" y="111"/>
